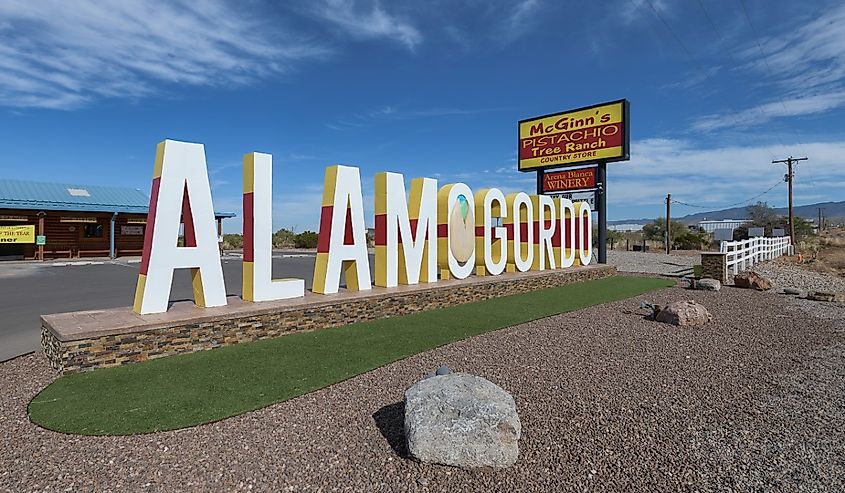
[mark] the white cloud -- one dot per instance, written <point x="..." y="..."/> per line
<point x="631" y="11"/>
<point x="721" y="176"/>
<point x="57" y="54"/>
<point x="806" y="64"/>
<point x="392" y="113"/>
<point x="714" y="177"/>
<point x="520" y="19"/>
<point x="806" y="57"/>
<point x="368" y="22"/>
<point x="798" y="106"/>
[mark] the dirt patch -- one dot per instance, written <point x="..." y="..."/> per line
<point x="830" y="257"/>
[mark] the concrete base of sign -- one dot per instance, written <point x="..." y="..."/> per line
<point x="80" y="341"/>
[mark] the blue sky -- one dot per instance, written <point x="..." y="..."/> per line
<point x="718" y="89"/>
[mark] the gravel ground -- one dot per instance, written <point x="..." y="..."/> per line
<point x="609" y="401"/>
<point x="784" y="274"/>
<point x="652" y="263"/>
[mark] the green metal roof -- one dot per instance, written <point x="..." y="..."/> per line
<point x="32" y="195"/>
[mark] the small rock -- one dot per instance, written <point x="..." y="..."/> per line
<point x="794" y="291"/>
<point x="752" y="280"/>
<point x="443" y="370"/>
<point x="684" y="313"/>
<point x="461" y="420"/>
<point x="654" y="307"/>
<point x="826" y="296"/>
<point x="708" y="285"/>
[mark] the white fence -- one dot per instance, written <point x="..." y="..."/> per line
<point x="742" y="255"/>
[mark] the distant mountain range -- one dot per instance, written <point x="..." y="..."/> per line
<point x="811" y="211"/>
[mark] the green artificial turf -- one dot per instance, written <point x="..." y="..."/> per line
<point x="185" y="390"/>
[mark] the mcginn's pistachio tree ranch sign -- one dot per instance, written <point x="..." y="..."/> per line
<point x="584" y="135"/>
<point x="432" y="233"/>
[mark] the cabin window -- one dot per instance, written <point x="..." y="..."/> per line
<point x="93" y="231"/>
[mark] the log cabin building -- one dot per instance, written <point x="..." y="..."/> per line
<point x="52" y="220"/>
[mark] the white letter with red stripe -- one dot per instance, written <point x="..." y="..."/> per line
<point x="406" y="234"/>
<point x="342" y="243"/>
<point x="258" y="282"/>
<point x="180" y="188"/>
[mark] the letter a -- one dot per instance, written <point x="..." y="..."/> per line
<point x="342" y="244"/>
<point x="180" y="187"/>
<point x="258" y="284"/>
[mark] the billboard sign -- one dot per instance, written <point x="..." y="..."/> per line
<point x="17" y="234"/>
<point x="569" y="180"/>
<point x="584" y="135"/>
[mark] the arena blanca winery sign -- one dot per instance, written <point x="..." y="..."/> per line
<point x="432" y="233"/>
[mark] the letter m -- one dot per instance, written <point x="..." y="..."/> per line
<point x="537" y="128"/>
<point x="405" y="237"/>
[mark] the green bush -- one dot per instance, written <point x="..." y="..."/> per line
<point x="687" y="239"/>
<point x="657" y="228"/>
<point x="232" y="241"/>
<point x="306" y="239"/>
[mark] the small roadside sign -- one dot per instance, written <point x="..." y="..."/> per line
<point x="588" y="197"/>
<point x="40" y="240"/>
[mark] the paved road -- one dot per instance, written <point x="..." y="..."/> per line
<point x="28" y="290"/>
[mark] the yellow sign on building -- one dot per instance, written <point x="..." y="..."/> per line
<point x="17" y="234"/>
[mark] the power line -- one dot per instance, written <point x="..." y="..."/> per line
<point x="677" y="39"/>
<point x="721" y="37"/>
<point x="768" y="67"/>
<point x="698" y="65"/>
<point x="697" y="206"/>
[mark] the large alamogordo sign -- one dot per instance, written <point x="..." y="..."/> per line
<point x="449" y="231"/>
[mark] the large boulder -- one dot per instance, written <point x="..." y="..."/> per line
<point x="461" y="420"/>
<point x="752" y="280"/>
<point x="685" y="313"/>
<point x="708" y="284"/>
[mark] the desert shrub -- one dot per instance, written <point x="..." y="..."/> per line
<point x="284" y="238"/>
<point x="306" y="239"/>
<point x="691" y="240"/>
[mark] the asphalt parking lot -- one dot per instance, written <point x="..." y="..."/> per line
<point x="30" y="289"/>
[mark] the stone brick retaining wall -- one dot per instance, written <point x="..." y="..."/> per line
<point x="714" y="265"/>
<point x="72" y="347"/>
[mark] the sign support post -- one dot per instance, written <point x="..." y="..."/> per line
<point x="41" y="233"/>
<point x="580" y="137"/>
<point x="602" y="207"/>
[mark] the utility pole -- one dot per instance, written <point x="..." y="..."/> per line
<point x="602" y="206"/>
<point x="821" y="219"/>
<point x="668" y="223"/>
<point x="790" y="174"/>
